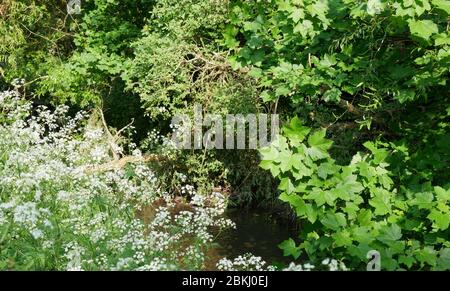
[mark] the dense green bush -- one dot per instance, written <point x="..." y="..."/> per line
<point x="362" y="69"/>
<point x="351" y="209"/>
<point x="375" y="52"/>
<point x="368" y="71"/>
<point x="178" y="62"/>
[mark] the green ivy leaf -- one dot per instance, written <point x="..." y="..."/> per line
<point x="311" y="213"/>
<point x="293" y="199"/>
<point x="362" y="235"/>
<point x="318" y="195"/>
<point x="328" y="61"/>
<point x="348" y="186"/>
<point x="374" y="7"/>
<point x="305" y="28"/>
<point x="319" y="9"/>
<point x="379" y="154"/>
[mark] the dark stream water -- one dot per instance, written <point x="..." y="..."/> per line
<point x="256" y="232"/>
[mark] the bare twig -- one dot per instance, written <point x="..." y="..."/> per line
<point x="121" y="163"/>
<point x="111" y="139"/>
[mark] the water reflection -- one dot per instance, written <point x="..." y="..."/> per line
<point x="256" y="232"/>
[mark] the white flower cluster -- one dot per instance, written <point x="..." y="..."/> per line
<point x="330" y="264"/>
<point x="299" y="267"/>
<point x="334" y="265"/>
<point x="69" y="214"/>
<point x="246" y="262"/>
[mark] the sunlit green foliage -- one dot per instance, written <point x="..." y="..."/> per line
<point x="348" y="210"/>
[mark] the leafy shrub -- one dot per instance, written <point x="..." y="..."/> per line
<point x="375" y="51"/>
<point x="352" y="209"/>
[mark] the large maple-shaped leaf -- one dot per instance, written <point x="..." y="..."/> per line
<point x="381" y="201"/>
<point x="319" y="145"/>
<point x="423" y="29"/>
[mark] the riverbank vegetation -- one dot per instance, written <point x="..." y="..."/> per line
<point x="89" y="177"/>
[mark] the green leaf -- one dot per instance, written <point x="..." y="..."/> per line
<point x="332" y="95"/>
<point x="305" y="28"/>
<point x="328" y="61"/>
<point x="319" y="145"/>
<point x="379" y="154"/>
<point x="269" y="153"/>
<point x="319" y="9"/>
<point x="342" y="238"/>
<point x="290" y="249"/>
<point x="404" y="96"/>
<point x="423" y="28"/>
<point x="300" y="170"/>
<point x="297" y="14"/>
<point x="255" y="72"/>
<point x="443" y="5"/>
<point x="252" y="26"/>
<point x="293" y="199"/>
<point x="423" y="200"/>
<point x="389" y="234"/>
<point x="282" y="91"/>
<point x="286" y="185"/>
<point x="442" y="39"/>
<point x="442" y="194"/>
<point x="326" y="169"/>
<point x="427" y="255"/>
<point x="349" y="185"/>
<point x="381" y="201"/>
<point x="311" y="213"/>
<point x="285" y="161"/>
<point x="443" y="262"/>
<point x="407" y="260"/>
<point x="440" y="220"/>
<point x="296" y="132"/>
<point x="362" y="235"/>
<point x="364" y="217"/>
<point x="351" y="209"/>
<point x="318" y="195"/>
<point x="267" y="96"/>
<point x="334" y="221"/>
